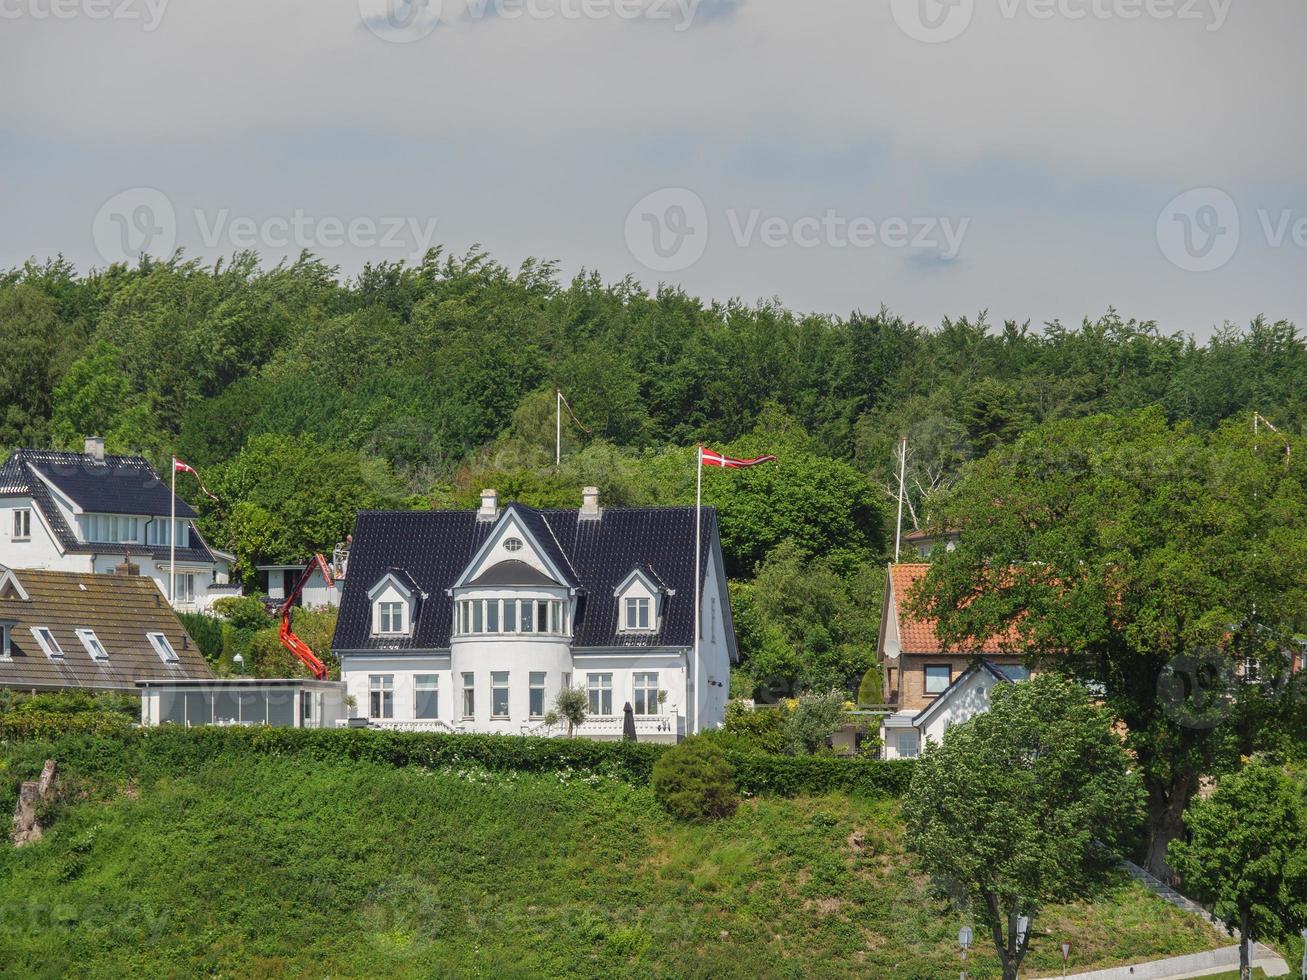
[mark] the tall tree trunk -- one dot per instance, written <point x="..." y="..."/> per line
<point x="1166" y="803"/>
<point x="1245" y="949"/>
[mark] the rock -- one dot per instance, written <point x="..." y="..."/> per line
<point x="31" y="795"/>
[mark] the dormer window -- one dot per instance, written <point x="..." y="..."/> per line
<point x="393" y="604"/>
<point x="637" y="613"/>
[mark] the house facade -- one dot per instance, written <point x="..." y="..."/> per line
<point x="61" y="630"/>
<point x="88" y="512"/>
<point x="929" y="685"/>
<point x="476" y="620"/>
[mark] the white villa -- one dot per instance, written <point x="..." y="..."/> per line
<point x="88" y="512"/>
<point x="475" y="620"/>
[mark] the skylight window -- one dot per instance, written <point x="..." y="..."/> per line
<point x="93" y="645"/>
<point x="163" y="648"/>
<point x="45" y="639"/>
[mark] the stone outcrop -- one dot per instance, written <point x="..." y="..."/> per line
<point x="31" y="795"/>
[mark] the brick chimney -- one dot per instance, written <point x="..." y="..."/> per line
<point x="95" y="448"/>
<point x="590" y="509"/>
<point x="489" y="506"/>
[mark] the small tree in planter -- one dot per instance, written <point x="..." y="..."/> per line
<point x="572" y="705"/>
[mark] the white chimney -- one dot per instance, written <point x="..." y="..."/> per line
<point x="590" y="510"/>
<point x="489" y="506"/>
<point x="95" y="448"/>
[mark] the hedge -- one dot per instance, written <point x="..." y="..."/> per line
<point x="164" y="750"/>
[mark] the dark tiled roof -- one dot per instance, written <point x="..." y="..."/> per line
<point x="119" y="485"/>
<point x="436" y="546"/>
<point x="120" y="609"/>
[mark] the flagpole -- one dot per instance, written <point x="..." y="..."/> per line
<point x="172" y="541"/>
<point x="558" y="427"/>
<point x="698" y="575"/>
<point x="898" y="527"/>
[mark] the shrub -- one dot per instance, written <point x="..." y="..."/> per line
<point x="206" y="631"/>
<point x="243" y="611"/>
<point x="869" y="691"/>
<point x="814" y="718"/>
<point x="695" y="782"/>
<point x="749" y="730"/>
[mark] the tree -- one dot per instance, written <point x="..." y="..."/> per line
<point x="572" y="705"/>
<point x="1008" y="810"/>
<point x="815" y="716"/>
<point x="1150" y="559"/>
<point x="694" y="781"/>
<point x="1246" y="856"/>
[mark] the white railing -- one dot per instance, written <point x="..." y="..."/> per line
<point x="597" y="726"/>
<point x="396" y="725"/>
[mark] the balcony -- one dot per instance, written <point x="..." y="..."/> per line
<point x="397" y="725"/>
<point x="609" y="727"/>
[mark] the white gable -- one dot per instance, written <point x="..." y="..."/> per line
<point x="510" y="541"/>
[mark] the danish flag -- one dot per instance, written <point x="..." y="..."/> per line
<point x="179" y="467"/>
<point x="710" y="457"/>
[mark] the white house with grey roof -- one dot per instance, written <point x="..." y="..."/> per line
<point x="475" y="620"/>
<point x="88" y="512"/>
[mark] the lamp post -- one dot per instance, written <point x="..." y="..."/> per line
<point x="964" y="940"/>
<point x="239" y="661"/>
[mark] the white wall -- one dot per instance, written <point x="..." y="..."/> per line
<point x="712" y="680"/>
<point x="967" y="700"/>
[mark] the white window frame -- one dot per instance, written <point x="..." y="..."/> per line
<point x="381" y="697"/>
<point x="634" y="606"/>
<point x="93" y="645"/>
<point x="537" y="679"/>
<point x="596" y="686"/>
<point x="426" y="683"/>
<point x="392" y="610"/>
<point x="163" y="648"/>
<point x="185" y="587"/>
<point x="45" y="639"/>
<point x="645" y="682"/>
<point x="23" y="524"/>
<point x="469" y="695"/>
<point x="904" y="749"/>
<point x="499" y="683"/>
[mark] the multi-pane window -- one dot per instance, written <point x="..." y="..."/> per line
<point x="426" y="696"/>
<point x="499" y="694"/>
<point x="111" y="528"/>
<point x="469" y="695"/>
<point x="637" y="613"/>
<point x="381" y="695"/>
<point x="22" y="524"/>
<point x="93" y="645"/>
<point x="185" y="586"/>
<point x="908" y="745"/>
<point x="938" y="678"/>
<point x="537" y="707"/>
<point x="390" y="617"/>
<point x="646" y="693"/>
<point x="156" y="532"/>
<point x="543" y="616"/>
<point x="600" y="689"/>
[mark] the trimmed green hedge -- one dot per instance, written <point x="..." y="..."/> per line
<point x="163" y="750"/>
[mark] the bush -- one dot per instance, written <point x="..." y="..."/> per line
<point x="695" y="782"/>
<point x="869" y="691"/>
<point x="169" y="750"/>
<point x="814" y="718"/>
<point x="748" y="730"/>
<point x="206" y="631"/>
<point x="243" y="611"/>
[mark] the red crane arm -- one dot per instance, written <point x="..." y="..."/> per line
<point x="288" y="638"/>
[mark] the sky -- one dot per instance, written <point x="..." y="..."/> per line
<point x="1034" y="159"/>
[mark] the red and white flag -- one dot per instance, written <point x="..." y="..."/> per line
<point x="710" y="457"/>
<point x="179" y="467"/>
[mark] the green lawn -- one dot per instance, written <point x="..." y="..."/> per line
<point x="265" y="866"/>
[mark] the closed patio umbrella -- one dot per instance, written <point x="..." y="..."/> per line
<point x="628" y="723"/>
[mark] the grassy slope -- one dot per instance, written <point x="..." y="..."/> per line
<point x="258" y="867"/>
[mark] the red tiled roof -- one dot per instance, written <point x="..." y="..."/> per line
<point x="918" y="635"/>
